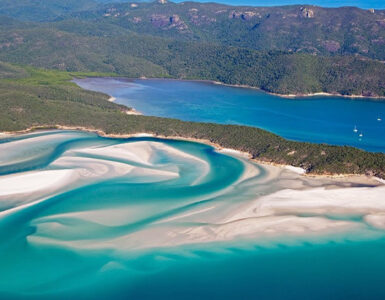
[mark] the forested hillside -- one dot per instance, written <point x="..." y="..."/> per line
<point x="47" y="10"/>
<point x="296" y="28"/>
<point x="32" y="97"/>
<point x="285" y="50"/>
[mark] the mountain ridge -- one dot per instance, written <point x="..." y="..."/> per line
<point x="184" y="41"/>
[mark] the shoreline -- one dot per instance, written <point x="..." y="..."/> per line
<point x="267" y="202"/>
<point x="130" y="111"/>
<point x="245" y="86"/>
<point x="295" y="169"/>
<point x="345" y="177"/>
<point x="294" y="96"/>
<point x="133" y="111"/>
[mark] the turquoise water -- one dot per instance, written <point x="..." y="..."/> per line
<point x="87" y="217"/>
<point x="328" y="120"/>
<point x="377" y="4"/>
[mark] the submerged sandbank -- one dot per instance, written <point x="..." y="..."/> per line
<point x="356" y="178"/>
<point x="172" y="194"/>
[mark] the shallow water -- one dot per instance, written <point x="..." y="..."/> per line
<point x="86" y="217"/>
<point x="328" y="120"/>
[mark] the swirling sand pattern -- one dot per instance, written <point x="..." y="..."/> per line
<point x="81" y="208"/>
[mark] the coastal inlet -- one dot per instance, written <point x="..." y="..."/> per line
<point x="318" y="119"/>
<point x="90" y="217"/>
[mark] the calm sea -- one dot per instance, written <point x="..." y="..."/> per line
<point x="329" y="120"/>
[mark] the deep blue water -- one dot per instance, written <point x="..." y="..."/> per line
<point x="317" y="119"/>
<point x="377" y="4"/>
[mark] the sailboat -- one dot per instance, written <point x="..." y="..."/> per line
<point x="355" y="129"/>
<point x="361" y="134"/>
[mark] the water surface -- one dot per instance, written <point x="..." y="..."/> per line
<point x="87" y="217"/>
<point x="328" y="120"/>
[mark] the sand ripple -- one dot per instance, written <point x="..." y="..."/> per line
<point x="82" y="191"/>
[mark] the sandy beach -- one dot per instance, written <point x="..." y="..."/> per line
<point x="299" y="95"/>
<point x="356" y="178"/>
<point x="266" y="201"/>
<point x="131" y="111"/>
<point x="245" y="86"/>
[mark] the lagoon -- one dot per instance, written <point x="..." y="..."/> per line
<point x="90" y="217"/>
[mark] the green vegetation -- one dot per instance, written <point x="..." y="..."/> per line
<point x="33" y="76"/>
<point x="295" y="28"/>
<point x="42" y="10"/>
<point x="284" y="50"/>
<point x="136" y="56"/>
<point x="11" y="72"/>
<point x="32" y="102"/>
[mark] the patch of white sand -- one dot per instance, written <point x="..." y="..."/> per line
<point x="142" y="135"/>
<point x="379" y="180"/>
<point x="234" y="152"/>
<point x="280" y="199"/>
<point x="296" y="169"/>
<point x="31" y="182"/>
<point x="26" y="149"/>
<point x="351" y="200"/>
<point x="376" y="220"/>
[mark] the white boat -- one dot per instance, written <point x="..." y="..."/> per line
<point x="361" y="134"/>
<point x="379" y="119"/>
<point x="355" y="129"/>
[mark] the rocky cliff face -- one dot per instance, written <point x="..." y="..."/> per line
<point x="166" y="22"/>
<point x="307" y="12"/>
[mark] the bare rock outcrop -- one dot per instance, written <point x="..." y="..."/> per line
<point x="307" y="12"/>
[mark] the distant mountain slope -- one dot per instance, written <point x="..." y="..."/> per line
<point x="42" y="10"/>
<point x="286" y="50"/>
<point x="297" y="28"/>
<point x="135" y="55"/>
<point x="47" y="10"/>
<point x="367" y="4"/>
